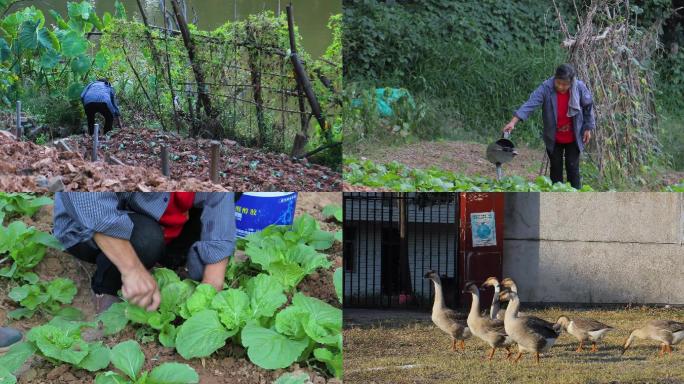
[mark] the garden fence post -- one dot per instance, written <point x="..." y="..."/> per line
<point x="19" y="130"/>
<point x="165" y="160"/>
<point x="96" y="141"/>
<point x="214" y="165"/>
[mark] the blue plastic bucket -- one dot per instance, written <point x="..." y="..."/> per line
<point x="255" y="211"/>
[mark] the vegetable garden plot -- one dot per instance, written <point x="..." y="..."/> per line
<point x="268" y="302"/>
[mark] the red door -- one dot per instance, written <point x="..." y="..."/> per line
<point x="480" y="245"/>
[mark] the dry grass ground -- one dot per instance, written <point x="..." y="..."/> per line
<point x="412" y="350"/>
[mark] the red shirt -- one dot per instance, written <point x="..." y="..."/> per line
<point x="564" y="131"/>
<point x="176" y="214"/>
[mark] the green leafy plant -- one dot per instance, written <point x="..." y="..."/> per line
<point x="251" y="309"/>
<point x="21" y="204"/>
<point x="44" y="296"/>
<point x="26" y="247"/>
<point x="128" y="358"/>
<point x="333" y="211"/>
<point x="398" y="177"/>
<point x="59" y="341"/>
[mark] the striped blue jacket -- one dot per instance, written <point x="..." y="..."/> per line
<point x="79" y="215"/>
<point x="100" y="92"/>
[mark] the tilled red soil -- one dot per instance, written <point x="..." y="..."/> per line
<point x="25" y="166"/>
<point x="241" y="168"/>
<point x="228" y="365"/>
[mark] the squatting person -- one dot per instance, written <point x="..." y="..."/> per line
<point x="126" y="234"/>
<point x="99" y="97"/>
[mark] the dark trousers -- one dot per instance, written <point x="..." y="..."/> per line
<point x="571" y="154"/>
<point x="91" y="109"/>
<point x="147" y="239"/>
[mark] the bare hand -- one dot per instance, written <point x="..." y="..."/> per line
<point x="215" y="274"/>
<point x="140" y="288"/>
<point x="586" y="137"/>
<point x="509" y="127"/>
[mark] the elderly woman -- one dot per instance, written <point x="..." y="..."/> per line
<point x="568" y="117"/>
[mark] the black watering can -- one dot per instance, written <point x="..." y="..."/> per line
<point x="500" y="152"/>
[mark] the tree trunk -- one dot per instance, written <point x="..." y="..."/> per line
<point x="196" y="68"/>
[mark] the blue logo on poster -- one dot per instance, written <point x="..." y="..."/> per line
<point x="484" y="232"/>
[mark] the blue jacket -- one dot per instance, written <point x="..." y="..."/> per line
<point x="580" y="108"/>
<point x="79" y="215"/>
<point x="100" y="92"/>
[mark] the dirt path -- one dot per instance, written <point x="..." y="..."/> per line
<point x="228" y="365"/>
<point x="456" y="156"/>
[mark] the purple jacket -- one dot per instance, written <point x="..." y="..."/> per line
<point x="580" y="109"/>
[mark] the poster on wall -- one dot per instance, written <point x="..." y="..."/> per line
<point x="483" y="227"/>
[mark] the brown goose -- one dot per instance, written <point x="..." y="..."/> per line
<point x="531" y="336"/>
<point x="448" y="320"/>
<point x="667" y="332"/>
<point x="510" y="284"/>
<point x="491" y="331"/>
<point x="584" y="330"/>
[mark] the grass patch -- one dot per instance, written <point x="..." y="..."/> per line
<point x="395" y="351"/>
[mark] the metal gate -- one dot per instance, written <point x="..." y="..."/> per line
<point x="391" y="240"/>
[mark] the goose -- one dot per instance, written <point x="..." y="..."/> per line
<point x="448" y="320"/>
<point x="531" y="336"/>
<point x="491" y="331"/>
<point x="584" y="330"/>
<point x="495" y="311"/>
<point x="667" y="332"/>
<point x="512" y="286"/>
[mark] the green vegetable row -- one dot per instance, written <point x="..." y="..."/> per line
<point x="398" y="177"/>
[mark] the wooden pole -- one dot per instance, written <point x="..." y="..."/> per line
<point x="164" y="161"/>
<point x="19" y="130"/>
<point x="214" y="165"/>
<point x="302" y="138"/>
<point x="194" y="64"/>
<point x="96" y="141"/>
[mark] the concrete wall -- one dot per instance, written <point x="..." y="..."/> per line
<point x="596" y="247"/>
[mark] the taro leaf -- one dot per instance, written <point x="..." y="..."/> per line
<point x="73" y="44"/>
<point x="80" y="65"/>
<point x="201" y="335"/>
<point x="28" y="35"/>
<point x="269" y="349"/>
<point x="74" y="91"/>
<point x="128" y="358"/>
<point x="173" y="373"/>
